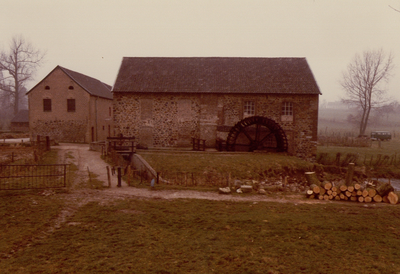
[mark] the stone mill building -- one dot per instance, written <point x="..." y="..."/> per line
<point x="237" y="104"/>
<point x="69" y="106"/>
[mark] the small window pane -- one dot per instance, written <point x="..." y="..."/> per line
<point x="46" y="104"/>
<point x="287" y="108"/>
<point x="249" y="108"/>
<point x="71" y="105"/>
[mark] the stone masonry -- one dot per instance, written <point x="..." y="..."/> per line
<point x="171" y="120"/>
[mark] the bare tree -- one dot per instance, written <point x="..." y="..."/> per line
<point x="363" y="83"/>
<point x="18" y="66"/>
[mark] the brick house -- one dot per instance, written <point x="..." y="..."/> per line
<point x="250" y="104"/>
<point x="70" y="107"/>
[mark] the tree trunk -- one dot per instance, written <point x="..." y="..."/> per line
<point x="371" y="192"/>
<point x="384" y="189"/>
<point x="393" y="197"/>
<point x="365" y="193"/>
<point x="377" y="198"/>
<point x="349" y="174"/>
<point x="311" y="178"/>
<point x="343" y="188"/>
<point x="327" y="185"/>
<point x="368" y="199"/>
<point x="315" y="188"/>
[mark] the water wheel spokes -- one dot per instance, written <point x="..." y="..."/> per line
<point x="256" y="133"/>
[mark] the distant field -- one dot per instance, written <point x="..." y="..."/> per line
<point x="334" y="121"/>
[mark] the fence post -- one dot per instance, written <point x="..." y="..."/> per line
<point x="90" y="179"/>
<point x="119" y="176"/>
<point x="47" y="143"/>
<point x="108" y="176"/>
<point x="65" y="175"/>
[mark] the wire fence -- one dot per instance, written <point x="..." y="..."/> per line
<point x="16" y="177"/>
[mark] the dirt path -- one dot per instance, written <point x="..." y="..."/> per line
<point x="84" y="159"/>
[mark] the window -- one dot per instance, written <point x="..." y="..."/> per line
<point x="248" y="108"/>
<point x="46" y="105"/>
<point x="109" y="111"/>
<point x="71" y="87"/>
<point x="46" y="87"/>
<point x="71" y="105"/>
<point x="287" y="108"/>
<point x="287" y="112"/>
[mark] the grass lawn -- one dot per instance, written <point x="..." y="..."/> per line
<point x="238" y="165"/>
<point x="198" y="236"/>
<point x="387" y="148"/>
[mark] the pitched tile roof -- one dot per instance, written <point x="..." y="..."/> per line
<point x="215" y="75"/>
<point x="91" y="85"/>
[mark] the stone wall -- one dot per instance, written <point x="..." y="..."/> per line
<point x="61" y="130"/>
<point x="171" y="120"/>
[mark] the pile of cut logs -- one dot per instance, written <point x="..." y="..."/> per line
<point x="349" y="190"/>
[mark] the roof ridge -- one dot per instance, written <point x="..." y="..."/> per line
<point x="71" y="73"/>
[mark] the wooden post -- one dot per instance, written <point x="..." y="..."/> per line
<point x="312" y="178"/>
<point x="349" y="174"/>
<point x="47" y="143"/>
<point x="90" y="179"/>
<point x="338" y="158"/>
<point x="108" y="176"/>
<point x="119" y="176"/>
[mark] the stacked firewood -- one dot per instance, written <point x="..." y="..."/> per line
<point x="349" y="190"/>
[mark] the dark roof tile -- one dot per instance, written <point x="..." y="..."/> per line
<point x="90" y="84"/>
<point x="215" y="75"/>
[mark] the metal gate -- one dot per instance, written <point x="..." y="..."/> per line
<point x="13" y="177"/>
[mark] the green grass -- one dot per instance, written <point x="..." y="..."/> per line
<point x="368" y="156"/>
<point x="23" y="216"/>
<point x="198" y="236"/>
<point x="387" y="148"/>
<point x="238" y="165"/>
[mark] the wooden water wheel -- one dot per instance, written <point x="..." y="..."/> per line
<point x="256" y="133"/>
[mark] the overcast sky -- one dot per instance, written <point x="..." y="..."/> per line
<point x="92" y="36"/>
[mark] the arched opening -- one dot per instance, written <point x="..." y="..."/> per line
<point x="257" y="133"/>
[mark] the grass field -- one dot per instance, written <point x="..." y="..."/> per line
<point x="138" y="235"/>
<point x="239" y="165"/>
<point x="197" y="236"/>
